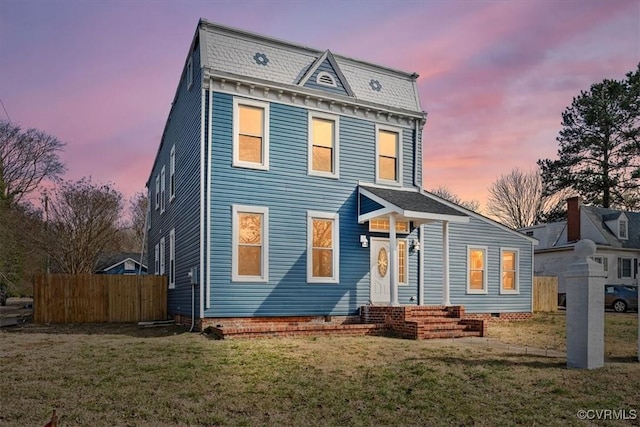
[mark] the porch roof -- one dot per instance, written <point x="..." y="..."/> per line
<point x="409" y="204"/>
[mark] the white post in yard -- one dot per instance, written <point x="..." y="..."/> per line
<point x="393" y="282"/>
<point x="445" y="264"/>
<point x="585" y="309"/>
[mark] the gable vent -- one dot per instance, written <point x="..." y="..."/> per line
<point x="326" y="79"/>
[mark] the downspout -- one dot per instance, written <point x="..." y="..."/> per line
<point x="193" y="305"/>
<point x="416" y="163"/>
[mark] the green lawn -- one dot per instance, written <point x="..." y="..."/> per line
<point x="105" y="375"/>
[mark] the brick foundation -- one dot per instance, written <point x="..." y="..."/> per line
<point x="500" y="317"/>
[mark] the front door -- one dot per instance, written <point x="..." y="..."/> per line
<point x="379" y="260"/>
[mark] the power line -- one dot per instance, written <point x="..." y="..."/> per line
<point x="5" y="111"/>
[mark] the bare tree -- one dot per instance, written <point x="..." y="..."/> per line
<point x="444" y="193"/>
<point x="26" y="159"/>
<point x="138" y="209"/>
<point x="84" y="221"/>
<point x="517" y="199"/>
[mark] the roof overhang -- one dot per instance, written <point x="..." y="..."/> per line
<point x="408" y="205"/>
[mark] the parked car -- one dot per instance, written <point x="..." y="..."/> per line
<point x="620" y="298"/>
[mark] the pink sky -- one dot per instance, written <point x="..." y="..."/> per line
<point x="495" y="76"/>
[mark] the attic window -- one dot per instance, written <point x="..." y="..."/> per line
<point x="325" y="79"/>
<point x="375" y="85"/>
<point x="622" y="229"/>
<point x="261" y="59"/>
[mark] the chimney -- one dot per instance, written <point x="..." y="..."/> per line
<point x="573" y="219"/>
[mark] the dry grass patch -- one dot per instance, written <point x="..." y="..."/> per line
<point x="103" y="376"/>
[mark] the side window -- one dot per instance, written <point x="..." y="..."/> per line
<point x="172" y="259"/>
<point x="509" y="278"/>
<point x="250" y="134"/>
<point x="250" y="241"/>
<point x="323" y="145"/>
<point x="476" y="270"/>
<point x="157" y="259"/>
<point x="162" y="190"/>
<point x="388" y="155"/>
<point x="172" y="174"/>
<point x="157" y="192"/>
<point x="323" y="249"/>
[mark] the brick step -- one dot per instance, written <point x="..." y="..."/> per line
<point x="423" y="314"/>
<point x="430" y="320"/>
<point x="444" y="327"/>
<point x="448" y="334"/>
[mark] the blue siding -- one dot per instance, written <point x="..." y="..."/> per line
<point x="367" y="205"/>
<point x="289" y="193"/>
<point x="479" y="233"/>
<point x="327" y="68"/>
<point x="183" y="212"/>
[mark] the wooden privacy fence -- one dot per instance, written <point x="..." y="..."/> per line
<point x="545" y="293"/>
<point x="86" y="298"/>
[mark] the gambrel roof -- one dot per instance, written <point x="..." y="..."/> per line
<point x="241" y="53"/>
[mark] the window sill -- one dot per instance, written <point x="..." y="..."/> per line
<point x="246" y="165"/>
<point x="323" y="174"/>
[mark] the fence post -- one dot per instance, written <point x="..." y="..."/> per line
<point x="585" y="309"/>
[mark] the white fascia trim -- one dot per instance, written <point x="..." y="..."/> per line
<point x="203" y="234"/>
<point x="237" y="102"/>
<point x="235" y="210"/>
<point x="311" y="215"/>
<point x="399" y="159"/>
<point x="336" y="145"/>
<point x="484" y="291"/>
<point x="517" y="276"/>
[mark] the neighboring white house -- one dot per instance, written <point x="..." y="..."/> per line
<point x="616" y="235"/>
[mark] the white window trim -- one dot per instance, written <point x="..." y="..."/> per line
<point x="172" y="258"/>
<point x="336" y="145"/>
<point x="190" y="73"/>
<point x="235" y="210"/>
<point x="397" y="130"/>
<point x="516" y="291"/>
<point x="602" y="260"/>
<point x="157" y="259"/>
<point x="163" y="182"/>
<point x="148" y="209"/>
<point x="237" y="102"/>
<point x="623" y="229"/>
<point x="485" y="273"/>
<point x="311" y="215"/>
<point x="157" y="192"/>
<point x="172" y="174"/>
<point x="162" y="251"/>
<point x="325" y="74"/>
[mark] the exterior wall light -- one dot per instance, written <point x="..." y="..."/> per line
<point x="363" y="241"/>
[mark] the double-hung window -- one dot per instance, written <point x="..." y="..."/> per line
<point x="388" y="155"/>
<point x="162" y="190"/>
<point x="323" y="145"/>
<point x="323" y="249"/>
<point x="162" y="249"/>
<point x="157" y="192"/>
<point x="250" y="134"/>
<point x="476" y="270"/>
<point x="509" y="271"/>
<point x="250" y="258"/>
<point x="625" y="268"/>
<point x="172" y="258"/>
<point x="172" y="174"/>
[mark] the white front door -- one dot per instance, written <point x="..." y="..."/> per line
<point x="379" y="260"/>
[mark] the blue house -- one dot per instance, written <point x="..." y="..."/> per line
<point x="288" y="184"/>
<point x="121" y="263"/>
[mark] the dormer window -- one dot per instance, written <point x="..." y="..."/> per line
<point x="623" y="232"/>
<point x="326" y="79"/>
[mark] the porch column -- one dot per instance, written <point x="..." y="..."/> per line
<point x="445" y="264"/>
<point x="393" y="282"/>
